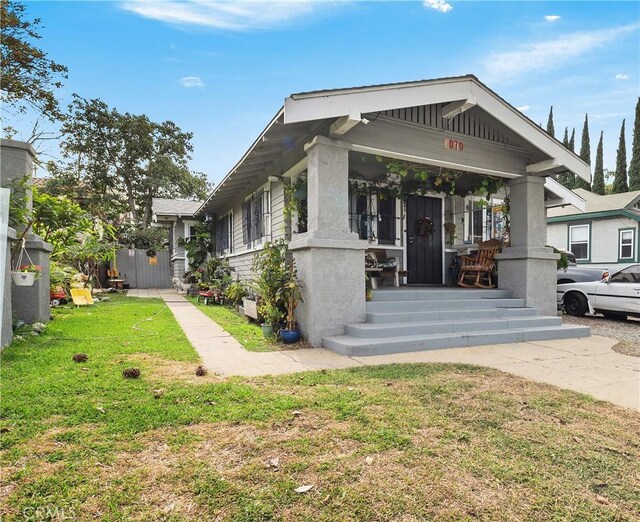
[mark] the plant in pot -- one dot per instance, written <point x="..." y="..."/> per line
<point x="291" y="333"/>
<point x="25" y="275"/>
<point x="269" y="266"/>
<point x="368" y="287"/>
<point x="272" y="315"/>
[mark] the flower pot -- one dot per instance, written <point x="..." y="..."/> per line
<point x="369" y="294"/>
<point x="267" y="331"/>
<point x="23" y="278"/>
<point x="290" y="336"/>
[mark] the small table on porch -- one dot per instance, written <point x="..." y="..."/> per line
<point x="373" y="274"/>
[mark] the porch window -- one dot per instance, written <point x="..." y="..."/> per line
<point x="224" y="234"/>
<point x="579" y="241"/>
<point x="256" y="217"/>
<point x="483" y="220"/>
<point x="387" y="221"/>
<point x="361" y="216"/>
<point x="626" y="244"/>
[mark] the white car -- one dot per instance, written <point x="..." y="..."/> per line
<point x="616" y="296"/>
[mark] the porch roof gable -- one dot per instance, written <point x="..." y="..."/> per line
<point x="280" y="146"/>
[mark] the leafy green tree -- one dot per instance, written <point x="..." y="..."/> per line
<point x="59" y="221"/>
<point x="550" y="128"/>
<point x="634" y="166"/>
<point x="128" y="157"/>
<point x="620" y="180"/>
<point x="29" y="78"/>
<point x="598" y="173"/>
<point x="585" y="154"/>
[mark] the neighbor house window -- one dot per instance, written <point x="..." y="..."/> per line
<point x="579" y="241"/>
<point x="224" y="234"/>
<point x="256" y="217"/>
<point x="627" y="244"/>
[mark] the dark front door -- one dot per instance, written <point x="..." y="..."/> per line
<point x="424" y="250"/>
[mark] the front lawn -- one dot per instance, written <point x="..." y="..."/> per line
<point x="400" y="442"/>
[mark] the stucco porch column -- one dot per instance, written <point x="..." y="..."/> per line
<point x="330" y="258"/>
<point x="527" y="267"/>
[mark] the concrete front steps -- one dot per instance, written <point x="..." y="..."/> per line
<point x="407" y="320"/>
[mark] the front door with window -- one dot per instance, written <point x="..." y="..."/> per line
<point x="424" y="240"/>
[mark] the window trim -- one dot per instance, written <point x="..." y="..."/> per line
<point x="631" y="258"/>
<point x="252" y="242"/>
<point x="580" y="260"/>
<point x="188" y="223"/>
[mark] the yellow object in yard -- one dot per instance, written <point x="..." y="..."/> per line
<point x="81" y="296"/>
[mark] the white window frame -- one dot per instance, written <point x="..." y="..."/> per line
<point x="188" y="223"/>
<point x="468" y="218"/>
<point x="621" y="232"/>
<point x="229" y="217"/>
<point x="588" y="241"/>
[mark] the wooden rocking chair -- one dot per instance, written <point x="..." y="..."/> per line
<point x="476" y="270"/>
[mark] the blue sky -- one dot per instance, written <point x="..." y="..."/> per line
<point x="222" y="70"/>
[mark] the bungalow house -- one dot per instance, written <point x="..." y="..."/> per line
<point x="603" y="234"/>
<point x="177" y="215"/>
<point x="407" y="168"/>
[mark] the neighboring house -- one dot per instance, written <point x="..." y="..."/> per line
<point x="177" y="215"/>
<point x="603" y="234"/>
<point x="333" y="138"/>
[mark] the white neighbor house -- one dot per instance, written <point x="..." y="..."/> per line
<point x="177" y="215"/>
<point x="604" y="234"/>
<point x="334" y="137"/>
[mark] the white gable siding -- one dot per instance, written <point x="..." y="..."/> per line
<point x="604" y="239"/>
<point x="557" y="235"/>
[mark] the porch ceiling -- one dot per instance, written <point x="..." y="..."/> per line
<point x="462" y="103"/>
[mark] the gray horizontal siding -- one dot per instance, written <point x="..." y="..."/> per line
<point x="279" y="225"/>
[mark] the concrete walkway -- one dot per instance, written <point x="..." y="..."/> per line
<point x="585" y="365"/>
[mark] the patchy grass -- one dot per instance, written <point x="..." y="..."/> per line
<point x="247" y="333"/>
<point x="399" y="442"/>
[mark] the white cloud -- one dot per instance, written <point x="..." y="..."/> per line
<point x="549" y="54"/>
<point x="230" y="15"/>
<point x="552" y="18"/>
<point x="192" y="81"/>
<point x="622" y="76"/>
<point x="523" y="108"/>
<point x="438" y="5"/>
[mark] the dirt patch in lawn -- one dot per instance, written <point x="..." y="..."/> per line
<point x="160" y="369"/>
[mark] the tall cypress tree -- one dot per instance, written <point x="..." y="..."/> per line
<point x="563" y="178"/>
<point x="598" y="173"/>
<point x="585" y="154"/>
<point x="572" y="140"/>
<point x="550" y="128"/>
<point x="571" y="144"/>
<point x="634" y="166"/>
<point x="620" y="179"/>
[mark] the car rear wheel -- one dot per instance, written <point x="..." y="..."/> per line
<point x="576" y="304"/>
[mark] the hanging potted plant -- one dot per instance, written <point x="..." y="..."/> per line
<point x="291" y="333"/>
<point x="25" y="275"/>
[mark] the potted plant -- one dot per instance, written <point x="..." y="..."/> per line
<point x="25" y="275"/>
<point x="291" y="333"/>
<point x="368" y="287"/>
<point x="270" y="268"/>
<point x="272" y="315"/>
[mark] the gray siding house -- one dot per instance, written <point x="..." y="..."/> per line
<point x="603" y="234"/>
<point x="177" y="215"/>
<point x="321" y="144"/>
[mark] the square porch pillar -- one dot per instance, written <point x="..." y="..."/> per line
<point x="527" y="267"/>
<point x="329" y="258"/>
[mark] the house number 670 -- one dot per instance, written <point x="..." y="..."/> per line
<point x="453" y="144"/>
